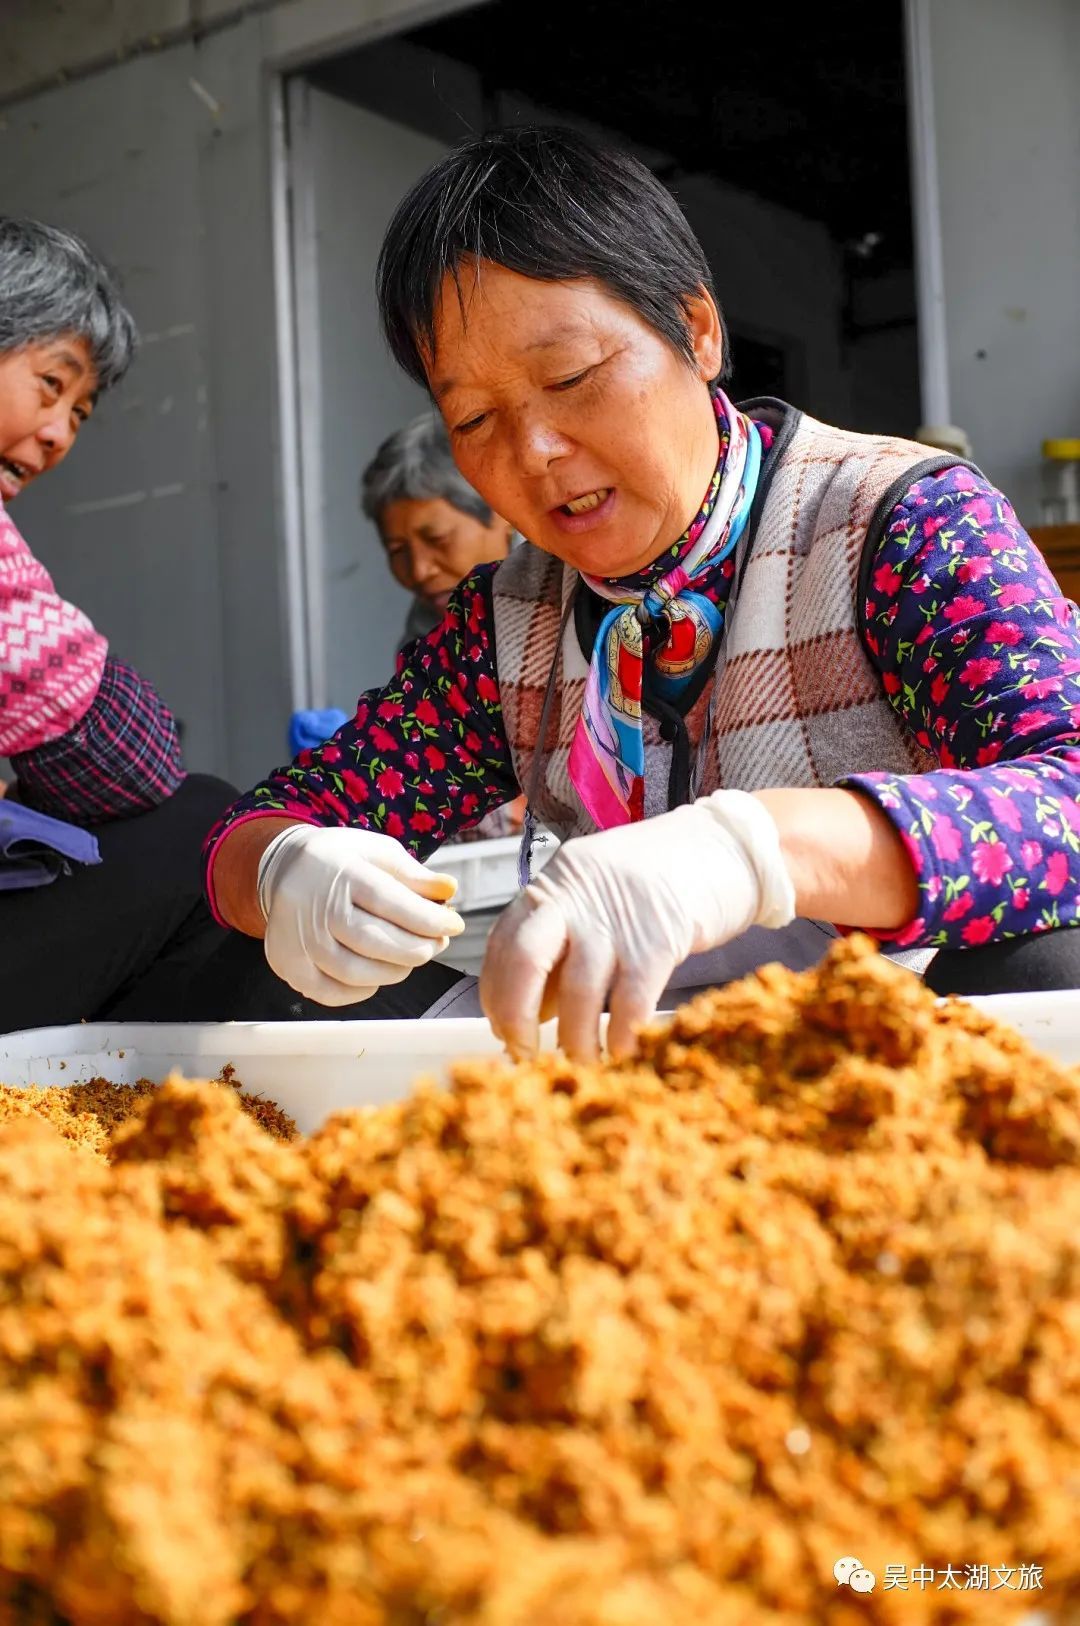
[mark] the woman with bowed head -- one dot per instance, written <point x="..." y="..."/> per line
<point x="767" y="678"/>
<point x="434" y="530"/>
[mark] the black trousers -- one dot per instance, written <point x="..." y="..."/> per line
<point x="236" y="985"/>
<point x="130" y="938"/>
<point x="1023" y="965"/>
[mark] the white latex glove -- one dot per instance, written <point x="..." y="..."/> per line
<point x="615" y="913"/>
<point x="348" y="911"/>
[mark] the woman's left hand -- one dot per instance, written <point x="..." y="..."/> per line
<point x="613" y="914"/>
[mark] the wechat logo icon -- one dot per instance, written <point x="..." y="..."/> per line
<point x="850" y="1572"/>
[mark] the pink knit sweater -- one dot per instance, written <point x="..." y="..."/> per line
<point x="51" y="659"/>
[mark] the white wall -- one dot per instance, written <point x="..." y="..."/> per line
<point x="45" y="38"/>
<point x="134" y="525"/>
<point x="167" y="521"/>
<point x="1006" y="82"/>
<point x="357" y="167"/>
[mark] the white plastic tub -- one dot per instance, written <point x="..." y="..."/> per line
<point x="1051" y="1022"/>
<point x="313" y="1069"/>
<point x="486" y="871"/>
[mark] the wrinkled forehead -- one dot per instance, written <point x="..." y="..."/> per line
<point x="487" y="319"/>
<point x="419" y="517"/>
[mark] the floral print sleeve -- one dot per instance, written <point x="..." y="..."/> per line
<point x="423" y="759"/>
<point x="979" y="653"/>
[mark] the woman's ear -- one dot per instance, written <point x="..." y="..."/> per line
<point x="706" y="333"/>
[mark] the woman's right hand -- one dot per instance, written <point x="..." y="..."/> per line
<point x="349" y="911"/>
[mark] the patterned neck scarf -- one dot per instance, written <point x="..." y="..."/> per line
<point x="669" y="615"/>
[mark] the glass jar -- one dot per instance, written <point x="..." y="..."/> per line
<point x="1060" y="503"/>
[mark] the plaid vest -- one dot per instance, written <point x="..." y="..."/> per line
<point x="794" y="699"/>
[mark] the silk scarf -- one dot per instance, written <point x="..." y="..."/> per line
<point x="672" y="623"/>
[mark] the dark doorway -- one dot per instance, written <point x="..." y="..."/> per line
<point x="784" y="138"/>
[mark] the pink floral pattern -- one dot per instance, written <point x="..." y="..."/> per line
<point x="977" y="650"/>
<point x="423" y="759"/>
<point x="979" y="654"/>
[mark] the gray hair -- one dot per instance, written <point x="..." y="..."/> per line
<point x="416" y="463"/>
<point x="51" y="284"/>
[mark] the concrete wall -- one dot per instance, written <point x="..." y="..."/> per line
<point x="167" y="521"/>
<point x="48" y="42"/>
<point x="46" y="39"/>
<point x="358" y="167"/>
<point x="161" y="523"/>
<point x="1007" y="111"/>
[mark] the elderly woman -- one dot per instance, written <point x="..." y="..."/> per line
<point x="774" y="678"/>
<point x="435" y="529"/>
<point x="101" y="910"/>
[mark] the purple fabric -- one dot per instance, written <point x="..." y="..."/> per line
<point x="35" y="849"/>
<point x="979" y="652"/>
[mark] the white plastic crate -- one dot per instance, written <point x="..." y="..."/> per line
<point x="313" y="1069"/>
<point x="486" y="871"/>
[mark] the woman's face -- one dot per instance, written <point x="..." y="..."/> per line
<point x="46" y="395"/>
<point x="431" y="545"/>
<point x="573" y="417"/>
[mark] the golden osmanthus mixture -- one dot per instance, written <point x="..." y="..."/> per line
<point x="87" y="1113"/>
<point x="642" y="1345"/>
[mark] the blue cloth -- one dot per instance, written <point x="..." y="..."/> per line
<point x="310" y="729"/>
<point x="35" y="849"/>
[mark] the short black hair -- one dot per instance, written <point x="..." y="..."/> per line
<point x="550" y="203"/>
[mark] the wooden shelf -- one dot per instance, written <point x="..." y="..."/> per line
<point x="1060" y="545"/>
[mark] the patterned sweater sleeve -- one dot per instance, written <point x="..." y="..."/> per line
<point x="51" y="658"/>
<point x="423" y="759"/>
<point x="121" y="758"/>
<point x="979" y="653"/>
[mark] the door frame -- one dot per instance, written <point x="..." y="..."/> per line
<point x="297" y="38"/>
<point x="926" y="215"/>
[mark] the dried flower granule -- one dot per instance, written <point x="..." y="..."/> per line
<point x="640" y="1345"/>
<point x="88" y="1113"/>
